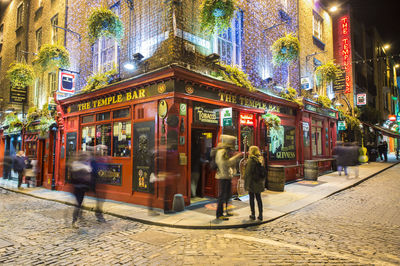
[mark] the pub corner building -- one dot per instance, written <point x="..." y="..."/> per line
<point x="167" y="121"/>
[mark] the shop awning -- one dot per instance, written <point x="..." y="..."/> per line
<point x="383" y="131"/>
<point x="31" y="138"/>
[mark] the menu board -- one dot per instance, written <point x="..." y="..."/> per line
<point x="283" y="143"/>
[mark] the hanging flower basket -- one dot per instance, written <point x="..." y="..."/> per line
<point x="12" y="124"/>
<point x="100" y="80"/>
<point x="103" y="22"/>
<point x="285" y="50"/>
<point x="44" y="126"/>
<point x="272" y="121"/>
<point x="20" y="75"/>
<point x="216" y="14"/>
<point x="52" y="56"/>
<point x="324" y="101"/>
<point x="326" y="73"/>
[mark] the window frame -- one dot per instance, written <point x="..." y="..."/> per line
<point x="20" y="15"/>
<point x="18" y="53"/>
<point x="319" y="22"/>
<point x="284" y="4"/>
<point x="1" y="33"/>
<point x="54" y="30"/>
<point x="52" y="81"/>
<point x="39" y="33"/>
<point x="235" y="41"/>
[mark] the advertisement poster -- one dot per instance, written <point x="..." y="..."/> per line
<point x="282" y="146"/>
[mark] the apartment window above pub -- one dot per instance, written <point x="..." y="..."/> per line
<point x="229" y="43"/>
<point x="18" y="52"/>
<point x="1" y="59"/>
<point x="20" y="15"/>
<point x="1" y="33"/>
<point x="54" y="30"/>
<point x="284" y="4"/>
<point x="38" y="39"/>
<point x="105" y="50"/>
<point x="317" y="25"/>
<point x="52" y="78"/>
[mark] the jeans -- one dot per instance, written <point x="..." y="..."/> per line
<point x="339" y="168"/>
<point x="224" y="195"/>
<point x="20" y="176"/>
<point x="259" y="203"/>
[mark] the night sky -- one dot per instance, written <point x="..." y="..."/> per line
<point x="384" y="14"/>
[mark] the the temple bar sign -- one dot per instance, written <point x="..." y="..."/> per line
<point x="109" y="100"/>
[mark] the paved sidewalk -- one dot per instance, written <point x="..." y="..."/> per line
<point x="202" y="215"/>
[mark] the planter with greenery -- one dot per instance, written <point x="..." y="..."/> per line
<point x="285" y="50"/>
<point x="20" y="75"/>
<point x="326" y="73"/>
<point x="324" y="101"/>
<point x="271" y="121"/>
<point x="235" y="75"/>
<point x="100" y="80"/>
<point x="12" y="124"/>
<point x="292" y="95"/>
<point x="52" y="56"/>
<point x="216" y="14"/>
<point x="102" y="22"/>
<point x="44" y="125"/>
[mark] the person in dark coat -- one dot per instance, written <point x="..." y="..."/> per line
<point x="381" y="150"/>
<point x="353" y="154"/>
<point x="340" y="154"/>
<point x="254" y="180"/>
<point x="385" y="150"/>
<point x="20" y="163"/>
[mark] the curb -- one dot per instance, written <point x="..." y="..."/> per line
<point x="234" y="226"/>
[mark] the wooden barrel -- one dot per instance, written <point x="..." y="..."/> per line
<point x="311" y="169"/>
<point x="276" y="178"/>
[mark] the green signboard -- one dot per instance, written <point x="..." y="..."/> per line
<point x="341" y="125"/>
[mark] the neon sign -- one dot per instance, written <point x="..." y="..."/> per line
<point x="345" y="51"/>
<point x="247" y="119"/>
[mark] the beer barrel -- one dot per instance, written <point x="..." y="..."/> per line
<point x="311" y="169"/>
<point x="276" y="178"/>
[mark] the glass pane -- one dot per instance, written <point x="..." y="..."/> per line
<point x="87" y="137"/>
<point x="122" y="139"/>
<point x="88" y="119"/>
<point x="103" y="137"/>
<point x="103" y="116"/>
<point x="121" y="113"/>
<point x="319" y="140"/>
<point x="314" y="141"/>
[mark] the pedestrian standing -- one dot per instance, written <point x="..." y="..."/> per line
<point x="226" y="162"/>
<point x="381" y="150"/>
<point x="254" y="180"/>
<point x="385" y="150"/>
<point x="20" y="163"/>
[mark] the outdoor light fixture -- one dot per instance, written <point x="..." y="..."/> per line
<point x="138" y="56"/>
<point x="213" y="57"/>
<point x="333" y="9"/>
<point x="129" y="65"/>
<point x="9" y="111"/>
<point x="386" y="46"/>
<point x="397" y="66"/>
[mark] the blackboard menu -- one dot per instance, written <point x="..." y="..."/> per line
<point x="283" y="143"/>
<point x="18" y="95"/>
<point x="340" y="82"/>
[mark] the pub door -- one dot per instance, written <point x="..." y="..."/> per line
<point x="203" y="182"/>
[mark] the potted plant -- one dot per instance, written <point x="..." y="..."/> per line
<point x="271" y="121"/>
<point x="20" y="75"/>
<point x="216" y="14"/>
<point x="291" y="95"/>
<point x="326" y="73"/>
<point x="285" y="50"/>
<point x="12" y="124"/>
<point x="102" y="22"/>
<point x="52" y="56"/>
<point x="324" y="101"/>
<point x="44" y="125"/>
<point x="236" y="75"/>
<point x="100" y="80"/>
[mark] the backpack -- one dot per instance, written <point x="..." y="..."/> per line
<point x="213" y="164"/>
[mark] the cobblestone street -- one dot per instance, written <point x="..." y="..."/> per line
<point x="358" y="226"/>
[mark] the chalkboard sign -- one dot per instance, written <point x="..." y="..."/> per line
<point x="340" y="82"/>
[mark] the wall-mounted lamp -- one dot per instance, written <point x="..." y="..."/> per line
<point x="213" y="57"/>
<point x="129" y="65"/>
<point x="9" y="110"/>
<point x="138" y="56"/>
<point x="333" y="9"/>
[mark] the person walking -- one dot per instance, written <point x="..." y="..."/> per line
<point x="226" y="162"/>
<point x="353" y="154"/>
<point x="381" y="150"/>
<point x="385" y="150"/>
<point x="254" y="180"/>
<point x="20" y="163"/>
<point x="340" y="154"/>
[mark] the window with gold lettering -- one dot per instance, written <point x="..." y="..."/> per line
<point x="122" y="139"/>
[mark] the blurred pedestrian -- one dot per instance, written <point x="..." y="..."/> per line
<point x="385" y="150"/>
<point x="98" y="162"/>
<point x="353" y="155"/>
<point x="20" y="163"/>
<point x="340" y="154"/>
<point x="31" y="171"/>
<point x="254" y="180"/>
<point x="381" y="150"/>
<point x="81" y="180"/>
<point x="226" y="162"/>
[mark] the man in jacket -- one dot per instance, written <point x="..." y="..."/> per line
<point x="20" y="162"/>
<point x="226" y="163"/>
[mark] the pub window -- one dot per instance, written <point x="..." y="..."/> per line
<point x="105" y="50"/>
<point x="36" y="92"/>
<point x="317" y="25"/>
<point x="103" y="116"/>
<point x="88" y="135"/>
<point x="316" y="137"/>
<point x="282" y="145"/>
<point x="88" y="119"/>
<point x="20" y="15"/>
<point x="103" y="137"/>
<point x="229" y="43"/>
<point x="122" y="113"/>
<point x="122" y="139"/>
<point x="38" y="39"/>
<point x="54" y="30"/>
